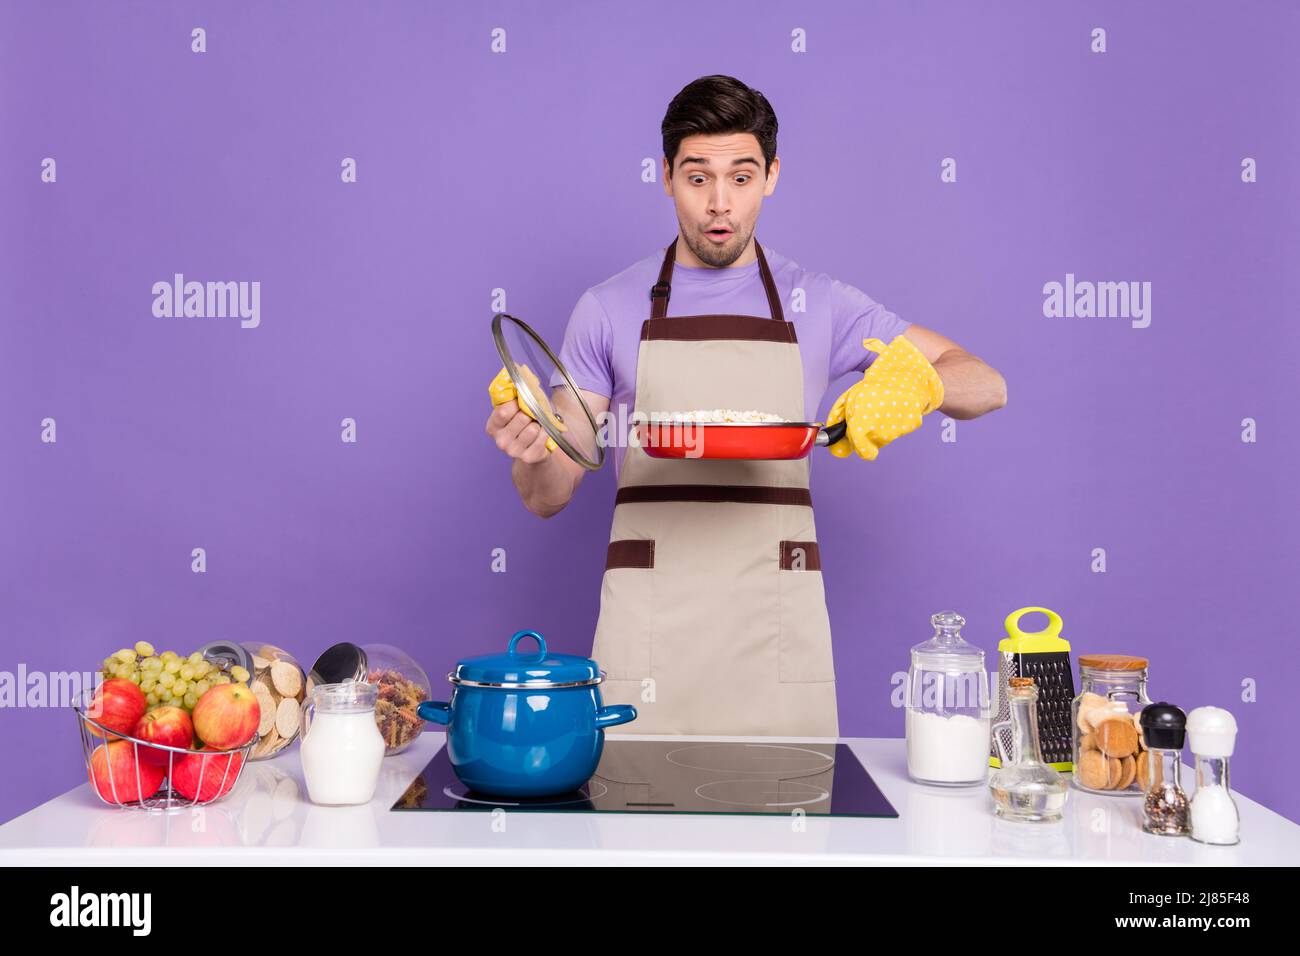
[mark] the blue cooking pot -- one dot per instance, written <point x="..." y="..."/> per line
<point x="525" y="725"/>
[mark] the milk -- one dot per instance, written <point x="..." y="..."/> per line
<point x="341" y="755"/>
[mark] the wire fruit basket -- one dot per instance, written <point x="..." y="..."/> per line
<point x="136" y="774"/>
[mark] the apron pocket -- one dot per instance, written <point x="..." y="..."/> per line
<point x="626" y="623"/>
<point x="804" y="651"/>
<point x="631" y="553"/>
<point x="800" y="556"/>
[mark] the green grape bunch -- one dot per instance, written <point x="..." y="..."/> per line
<point x="168" y="679"/>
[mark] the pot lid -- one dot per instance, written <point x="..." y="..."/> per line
<point x="526" y="666"/>
<point x="544" y="389"/>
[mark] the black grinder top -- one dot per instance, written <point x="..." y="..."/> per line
<point x="1164" y="726"/>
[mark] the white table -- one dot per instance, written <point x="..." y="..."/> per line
<point x="268" y="820"/>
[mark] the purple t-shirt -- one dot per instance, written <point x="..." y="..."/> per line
<point x="604" y="331"/>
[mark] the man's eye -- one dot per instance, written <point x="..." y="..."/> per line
<point x="742" y="179"/>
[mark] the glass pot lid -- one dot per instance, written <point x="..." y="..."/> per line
<point x="526" y="667"/>
<point x="545" y="389"/>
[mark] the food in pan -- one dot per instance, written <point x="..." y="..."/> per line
<point x="714" y="416"/>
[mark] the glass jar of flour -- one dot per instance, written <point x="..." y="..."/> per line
<point x="947" y="710"/>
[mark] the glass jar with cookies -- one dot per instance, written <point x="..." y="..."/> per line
<point x="1109" y="754"/>
<point x="278" y="683"/>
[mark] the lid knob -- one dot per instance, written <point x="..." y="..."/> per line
<point x="520" y="635"/>
<point x="947" y="621"/>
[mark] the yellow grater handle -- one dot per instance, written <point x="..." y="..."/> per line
<point x="1033" y="642"/>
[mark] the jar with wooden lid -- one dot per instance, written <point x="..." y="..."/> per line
<point x="1109" y="754"/>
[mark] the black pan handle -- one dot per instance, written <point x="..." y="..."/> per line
<point x="832" y="433"/>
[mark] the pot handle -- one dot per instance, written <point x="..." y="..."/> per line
<point x="520" y="635"/>
<point x="435" y="711"/>
<point x="614" y="714"/>
<point x="832" y="434"/>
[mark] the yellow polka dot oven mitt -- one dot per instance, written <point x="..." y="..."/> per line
<point x="502" y="390"/>
<point x="896" y="390"/>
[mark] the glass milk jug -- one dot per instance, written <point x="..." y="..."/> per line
<point x="947" y="711"/>
<point x="342" y="748"/>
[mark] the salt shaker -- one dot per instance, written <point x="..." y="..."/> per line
<point x="1211" y="733"/>
<point x="1164" y="727"/>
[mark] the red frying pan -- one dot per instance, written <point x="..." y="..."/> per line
<point x="736" y="440"/>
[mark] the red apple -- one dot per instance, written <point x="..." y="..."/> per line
<point x="117" y="705"/>
<point x="203" y="777"/>
<point x="169" y="726"/>
<point x="226" y="716"/>
<point x="118" y="777"/>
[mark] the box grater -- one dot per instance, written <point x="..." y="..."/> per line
<point x="1045" y="657"/>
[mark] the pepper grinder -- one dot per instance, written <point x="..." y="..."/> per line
<point x="1211" y="733"/>
<point x="1164" y="810"/>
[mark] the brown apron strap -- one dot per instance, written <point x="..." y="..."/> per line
<point x="743" y="494"/>
<point x="661" y="290"/>
<point x="773" y="300"/>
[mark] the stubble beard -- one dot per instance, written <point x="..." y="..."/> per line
<point x="717" y="256"/>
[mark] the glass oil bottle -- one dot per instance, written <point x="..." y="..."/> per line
<point x="1025" y="788"/>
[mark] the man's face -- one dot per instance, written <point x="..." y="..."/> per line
<point x="718" y="186"/>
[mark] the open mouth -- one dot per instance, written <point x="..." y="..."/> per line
<point x="719" y="235"/>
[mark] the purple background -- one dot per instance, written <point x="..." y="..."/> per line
<point x="522" y="171"/>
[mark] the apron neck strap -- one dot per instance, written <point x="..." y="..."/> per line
<point x="661" y="290"/>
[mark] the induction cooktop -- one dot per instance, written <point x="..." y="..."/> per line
<point x="655" y="776"/>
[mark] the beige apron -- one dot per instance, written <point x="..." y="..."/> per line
<point x="712" y="609"/>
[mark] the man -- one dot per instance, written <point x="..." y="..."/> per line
<point x="713" y="615"/>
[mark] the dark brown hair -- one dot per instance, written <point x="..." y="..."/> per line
<point x="715" y="105"/>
